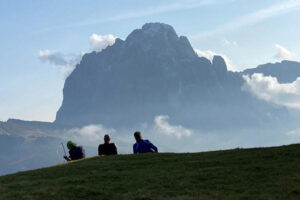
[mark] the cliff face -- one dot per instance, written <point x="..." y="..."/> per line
<point x="154" y="72"/>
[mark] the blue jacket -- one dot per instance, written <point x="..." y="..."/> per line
<point x="144" y="146"/>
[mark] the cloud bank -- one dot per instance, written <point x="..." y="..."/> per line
<point x="162" y="126"/>
<point x="269" y="89"/>
<point x="90" y="135"/>
<point x="100" y="42"/>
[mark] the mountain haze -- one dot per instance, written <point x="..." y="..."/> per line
<point x="156" y="72"/>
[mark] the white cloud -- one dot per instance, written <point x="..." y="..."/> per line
<point x="161" y="125"/>
<point x="206" y="54"/>
<point x="90" y="135"/>
<point x="252" y="18"/>
<point x="66" y="63"/>
<point x="267" y="88"/>
<point x="210" y="55"/>
<point x="100" y="42"/>
<point x="283" y="54"/>
<point x="52" y="57"/>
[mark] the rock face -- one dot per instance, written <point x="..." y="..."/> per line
<point x="156" y="72"/>
<point x="285" y="71"/>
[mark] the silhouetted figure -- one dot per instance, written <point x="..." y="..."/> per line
<point x="107" y="148"/>
<point x="143" y="146"/>
<point x="76" y="152"/>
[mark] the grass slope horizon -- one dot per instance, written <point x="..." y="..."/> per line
<point x="257" y="173"/>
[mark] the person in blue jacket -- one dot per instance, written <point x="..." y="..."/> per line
<point x="143" y="146"/>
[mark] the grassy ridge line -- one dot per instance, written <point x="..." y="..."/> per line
<point x="260" y="173"/>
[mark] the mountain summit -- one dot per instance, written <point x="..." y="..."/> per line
<point x="156" y="72"/>
<point x="161" y="38"/>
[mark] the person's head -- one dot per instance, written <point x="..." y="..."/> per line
<point x="71" y="144"/>
<point x="106" y="138"/>
<point x="137" y="135"/>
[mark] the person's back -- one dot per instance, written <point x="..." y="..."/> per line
<point x="143" y="146"/>
<point x="107" y="148"/>
<point x="76" y="153"/>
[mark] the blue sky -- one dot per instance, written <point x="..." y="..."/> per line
<point x="247" y="32"/>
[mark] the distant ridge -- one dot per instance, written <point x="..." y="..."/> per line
<point x="285" y="71"/>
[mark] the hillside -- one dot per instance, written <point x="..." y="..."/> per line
<point x="261" y="173"/>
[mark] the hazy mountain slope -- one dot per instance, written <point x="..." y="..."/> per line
<point x="21" y="154"/>
<point x="261" y="173"/>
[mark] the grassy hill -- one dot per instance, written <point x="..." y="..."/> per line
<point x="261" y="173"/>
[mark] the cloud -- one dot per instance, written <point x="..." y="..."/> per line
<point x="267" y="88"/>
<point x="90" y="135"/>
<point x="52" y="57"/>
<point x="66" y="63"/>
<point x="210" y="55"/>
<point x="252" y="18"/>
<point x="161" y="125"/>
<point x="283" y="54"/>
<point x="206" y="54"/>
<point x="100" y="42"/>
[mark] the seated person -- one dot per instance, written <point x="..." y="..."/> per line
<point x="143" y="146"/>
<point x="107" y="148"/>
<point x="76" y="152"/>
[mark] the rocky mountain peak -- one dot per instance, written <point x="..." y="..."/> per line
<point x="152" y="30"/>
<point x="219" y="64"/>
<point x="159" y="38"/>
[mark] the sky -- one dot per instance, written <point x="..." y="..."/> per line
<point x="41" y="41"/>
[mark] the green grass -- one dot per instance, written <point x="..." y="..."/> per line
<point x="262" y="173"/>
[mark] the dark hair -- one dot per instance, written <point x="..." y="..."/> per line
<point x="106" y="135"/>
<point x="137" y="135"/>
